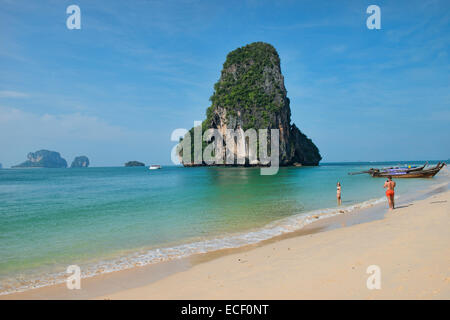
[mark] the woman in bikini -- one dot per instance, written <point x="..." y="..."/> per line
<point x="390" y="185"/>
<point x="338" y="193"/>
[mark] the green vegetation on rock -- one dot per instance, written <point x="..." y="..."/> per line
<point x="134" y="164"/>
<point x="248" y="85"/>
<point x="251" y="94"/>
<point x="43" y="159"/>
<point x="80" y="162"/>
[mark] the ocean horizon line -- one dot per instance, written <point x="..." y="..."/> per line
<point x="362" y="162"/>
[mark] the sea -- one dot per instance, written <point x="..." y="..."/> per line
<point x="115" y="218"/>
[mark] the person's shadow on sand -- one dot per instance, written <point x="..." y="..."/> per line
<point x="404" y="206"/>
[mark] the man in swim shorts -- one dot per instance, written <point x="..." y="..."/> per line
<point x="390" y="185"/>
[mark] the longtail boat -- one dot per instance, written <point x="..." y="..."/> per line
<point x="423" y="173"/>
<point x="391" y="169"/>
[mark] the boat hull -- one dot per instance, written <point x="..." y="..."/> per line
<point x="427" y="173"/>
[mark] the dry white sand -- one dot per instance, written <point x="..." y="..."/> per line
<point x="411" y="246"/>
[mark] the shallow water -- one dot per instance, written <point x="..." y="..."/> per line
<point x="106" y="219"/>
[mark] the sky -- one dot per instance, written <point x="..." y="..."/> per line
<point x="116" y="89"/>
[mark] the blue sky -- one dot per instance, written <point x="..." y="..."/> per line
<point x="137" y="70"/>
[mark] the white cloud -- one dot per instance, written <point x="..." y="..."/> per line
<point x="16" y="123"/>
<point x="70" y="134"/>
<point x="339" y="48"/>
<point x="12" y="94"/>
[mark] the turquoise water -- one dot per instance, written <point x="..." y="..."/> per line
<point x="106" y="219"/>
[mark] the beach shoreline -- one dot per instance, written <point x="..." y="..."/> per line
<point x="409" y="246"/>
<point x="119" y="283"/>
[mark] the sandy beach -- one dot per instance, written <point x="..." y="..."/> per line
<point x="326" y="260"/>
<point x="410" y="246"/>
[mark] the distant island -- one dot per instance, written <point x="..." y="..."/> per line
<point x="1" y="166"/>
<point x="251" y="94"/>
<point x="134" y="164"/>
<point x="43" y="159"/>
<point x="80" y="162"/>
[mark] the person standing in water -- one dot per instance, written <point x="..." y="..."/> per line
<point x="338" y="193"/>
<point x="390" y="185"/>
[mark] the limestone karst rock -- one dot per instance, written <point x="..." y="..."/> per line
<point x="134" y="164"/>
<point x="80" y="162"/>
<point x="43" y="159"/>
<point x="251" y="94"/>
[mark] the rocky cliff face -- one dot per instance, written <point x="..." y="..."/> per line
<point x="134" y="164"/>
<point x="43" y="159"/>
<point x="80" y="162"/>
<point x="251" y="94"/>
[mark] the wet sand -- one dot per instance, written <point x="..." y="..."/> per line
<point x="295" y="257"/>
<point x="410" y="246"/>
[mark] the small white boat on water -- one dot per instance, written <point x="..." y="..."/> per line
<point x="155" y="167"/>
